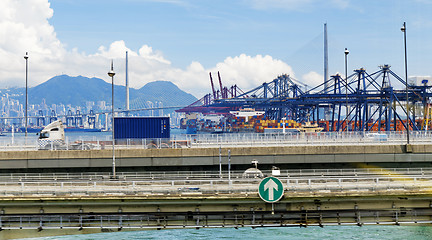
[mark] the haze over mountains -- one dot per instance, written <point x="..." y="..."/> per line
<point x="76" y="91"/>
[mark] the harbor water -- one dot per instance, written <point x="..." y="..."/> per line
<point x="293" y="233"/>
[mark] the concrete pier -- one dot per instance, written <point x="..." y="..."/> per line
<point x="42" y="214"/>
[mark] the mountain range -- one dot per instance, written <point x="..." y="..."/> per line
<point x="76" y="91"/>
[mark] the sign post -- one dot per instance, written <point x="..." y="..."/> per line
<point x="270" y="189"/>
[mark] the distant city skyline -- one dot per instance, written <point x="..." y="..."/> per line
<point x="248" y="41"/>
<point x="63" y="96"/>
<point x="14" y="110"/>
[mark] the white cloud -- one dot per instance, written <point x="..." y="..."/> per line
<point x="312" y="79"/>
<point x="248" y="72"/>
<point x="29" y="30"/>
<point x="24" y="27"/>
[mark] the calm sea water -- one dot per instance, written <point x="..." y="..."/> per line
<point x="295" y="233"/>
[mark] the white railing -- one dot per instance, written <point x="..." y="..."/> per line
<point x="322" y="138"/>
<point x="224" y="140"/>
<point x="191" y="175"/>
<point x="215" y="186"/>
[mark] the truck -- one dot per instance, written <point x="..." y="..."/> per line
<point x="52" y="137"/>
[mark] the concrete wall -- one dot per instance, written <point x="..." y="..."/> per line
<point x="209" y="157"/>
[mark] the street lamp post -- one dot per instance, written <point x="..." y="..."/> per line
<point x="26" y="98"/>
<point x="403" y="29"/>
<point x="111" y="73"/>
<point x="346" y="87"/>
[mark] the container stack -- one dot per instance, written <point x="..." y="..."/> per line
<point x="262" y="124"/>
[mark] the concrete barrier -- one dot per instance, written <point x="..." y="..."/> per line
<point x="392" y="155"/>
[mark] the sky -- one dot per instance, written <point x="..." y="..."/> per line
<point x="248" y="41"/>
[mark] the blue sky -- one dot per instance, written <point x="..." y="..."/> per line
<point x="249" y="41"/>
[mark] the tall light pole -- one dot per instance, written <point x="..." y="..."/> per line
<point x="346" y="86"/>
<point x="26" y="98"/>
<point x="127" y="85"/>
<point x="111" y="73"/>
<point x="403" y="29"/>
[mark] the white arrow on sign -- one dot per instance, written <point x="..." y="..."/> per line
<point x="271" y="186"/>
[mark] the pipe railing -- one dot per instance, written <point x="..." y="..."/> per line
<point x="226" y="140"/>
<point x="236" y="174"/>
<point x="416" y="183"/>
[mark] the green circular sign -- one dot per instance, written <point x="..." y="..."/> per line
<point x="270" y="189"/>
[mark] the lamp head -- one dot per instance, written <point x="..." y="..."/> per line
<point x="111" y="73"/>
<point x="346" y="51"/>
<point x="403" y="28"/>
<point x="26" y="56"/>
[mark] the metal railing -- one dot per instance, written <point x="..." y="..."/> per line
<point x="226" y="140"/>
<point x="147" y="221"/>
<point x="235" y="174"/>
<point x="366" y="182"/>
<point x="211" y="187"/>
<point x="321" y="138"/>
<point x="173" y="175"/>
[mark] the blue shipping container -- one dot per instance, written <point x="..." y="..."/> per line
<point x="141" y="127"/>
